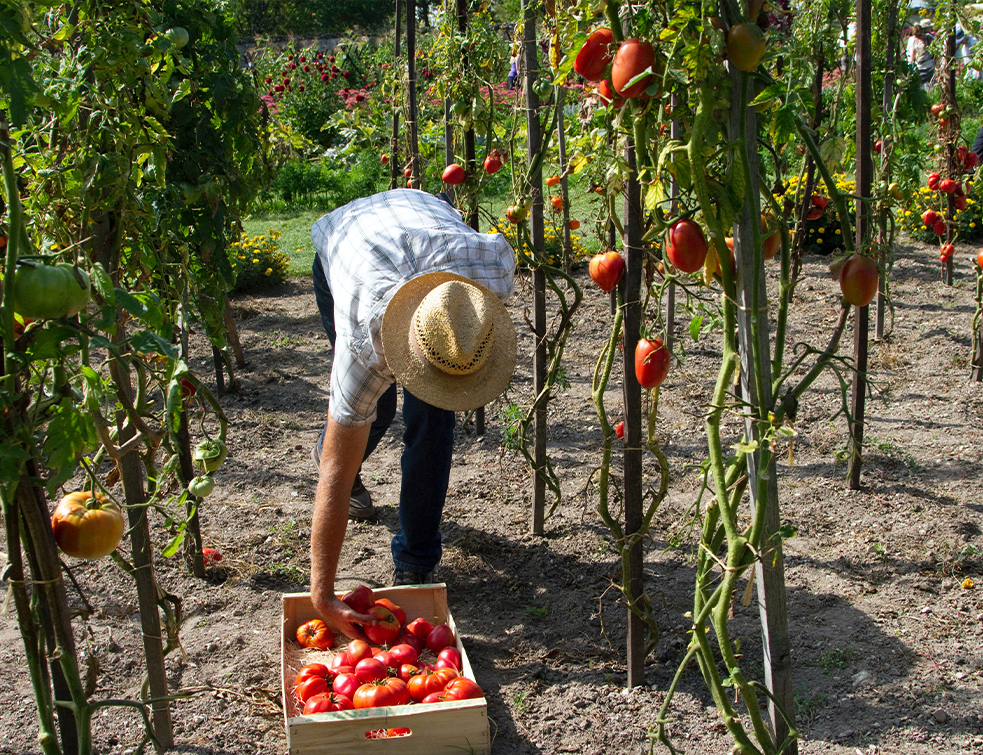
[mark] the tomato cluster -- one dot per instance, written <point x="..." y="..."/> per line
<point x="393" y="672"/>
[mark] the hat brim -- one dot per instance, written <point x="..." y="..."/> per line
<point x="458" y="393"/>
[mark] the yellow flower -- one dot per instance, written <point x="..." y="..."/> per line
<point x="839" y="231"/>
<point x="255" y="261"/>
<point x="819" y="241"/>
<point x="822" y="230"/>
<point x="269" y="271"/>
<point x="972" y="225"/>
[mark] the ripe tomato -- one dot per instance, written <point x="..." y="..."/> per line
<point x="947" y="185"/>
<point x="619" y="429"/>
<point x="574" y="225"/>
<point x="370" y="669"/>
<point x="933" y="181"/>
<point x="86" y="525"/>
<point x="404" y="653"/>
<point x="398" y="612"/>
<point x="651" y="362"/>
<point x="606" y="92"/>
<point x="382" y="692"/>
<point x="595" y="55"/>
<point x="745" y="46"/>
<point x="346" y="684"/>
<point x="340" y="659"/>
<point x="858" y="280"/>
<point x="939" y="227"/>
<point x="326" y="702"/>
<point x="405" y="638"/>
<point x="313" y="685"/>
<point x="606" y="269"/>
<point x="452" y="655"/>
<point x="971" y="160"/>
<point x="557" y="203"/>
<point x="930" y="217"/>
<point x="407" y="671"/>
<point x="384" y="158"/>
<point x="686" y="246"/>
<point x="312" y="670"/>
<point x="818" y="200"/>
<point x="493" y="164"/>
<point x="419" y="628"/>
<point x="422" y="684"/>
<point x="386" y="657"/>
<point x="445" y="674"/>
<point x="408" y="171"/>
<point x="814" y="213"/>
<point x="360" y="600"/>
<point x="552" y="181"/>
<point x="454" y="174"/>
<point x="386" y="630"/>
<point x="357" y="650"/>
<point x="315" y="634"/>
<point x="434" y="697"/>
<point x="462" y="688"/>
<point x="440" y="637"/>
<point x="47" y="292"/>
<point x="877" y="146"/>
<point x="632" y="59"/>
<point x="979" y="259"/>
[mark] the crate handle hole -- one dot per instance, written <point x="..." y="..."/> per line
<point x="388" y="733"/>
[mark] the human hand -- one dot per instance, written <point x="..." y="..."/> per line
<point x="342" y="618"/>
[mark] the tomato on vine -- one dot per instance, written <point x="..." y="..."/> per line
<point x="633" y="58"/>
<point x="87" y="525"/>
<point x="686" y="246"/>
<point x="651" y="362"/>
<point x="606" y="269"/>
<point x="595" y="55"/>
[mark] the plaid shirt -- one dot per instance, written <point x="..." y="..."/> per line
<point x="368" y="249"/>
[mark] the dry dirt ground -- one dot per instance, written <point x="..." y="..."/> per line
<point x="887" y="643"/>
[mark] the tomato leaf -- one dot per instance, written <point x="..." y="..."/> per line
<point x="53" y="341"/>
<point x="832" y="151"/>
<point x="103" y="284"/>
<point x="147" y="341"/>
<point x="694" y="327"/>
<point x="70" y="432"/>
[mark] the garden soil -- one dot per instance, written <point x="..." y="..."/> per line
<point x="887" y="640"/>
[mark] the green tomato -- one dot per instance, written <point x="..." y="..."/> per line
<point x="209" y="454"/>
<point x="201" y="486"/>
<point x="178" y="36"/>
<point x="48" y="292"/>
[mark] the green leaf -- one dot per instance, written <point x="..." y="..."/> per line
<point x="143" y="305"/>
<point x="183" y="90"/>
<point x="53" y="341"/>
<point x="745" y="447"/>
<point x="172" y="547"/>
<point x="70" y="432"/>
<point x="832" y="151"/>
<point x="655" y="195"/>
<point x="103" y="284"/>
<point x="149" y="342"/>
<point x="786" y="532"/>
<point x="694" y="327"/>
<point x="783" y="128"/>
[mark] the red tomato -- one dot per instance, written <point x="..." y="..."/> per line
<point x="341" y="659"/>
<point x="419" y="628"/>
<point x="631" y="60"/>
<point x="451" y="654"/>
<point x="686" y="246"/>
<point x="360" y="600"/>
<point x="557" y="203"/>
<point x="210" y="556"/>
<point x="422" y="684"/>
<point x="939" y="227"/>
<point x="574" y="225"/>
<point x="979" y="259"/>
<point x="315" y="634"/>
<point x="930" y="217"/>
<point x="384" y="158"/>
<point x="398" y="612"/>
<point x="619" y="429"/>
<point x="440" y="637"/>
<point x="86" y="525"/>
<point x="386" y="657"/>
<point x="357" y="650"/>
<point x="606" y="269"/>
<point x="446" y="674"/>
<point x="971" y="161"/>
<point x="386" y="630"/>
<point x="493" y="164"/>
<point x="462" y="688"/>
<point x="948" y="186"/>
<point x="858" y="280"/>
<point x="407" y="671"/>
<point x="434" y="697"/>
<point x="933" y="181"/>
<point x="606" y="92"/>
<point x="401" y="732"/>
<point x="404" y="653"/>
<point x="346" y="684"/>
<point x="595" y="55"/>
<point x="651" y="362"/>
<point x="877" y="146"/>
<point x="553" y="181"/>
<point x="370" y="669"/>
<point x="312" y="670"/>
<point x="818" y="200"/>
<point x="382" y="692"/>
<point x="314" y="685"/>
<point x="814" y="213"/>
<point x="327" y="702"/>
<point x="405" y="638"/>
<point x="454" y="174"/>
<point x="408" y="171"/>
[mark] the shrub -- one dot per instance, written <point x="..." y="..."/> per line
<point x="258" y="262"/>
<point x="968" y="223"/>
<point x="553" y="242"/>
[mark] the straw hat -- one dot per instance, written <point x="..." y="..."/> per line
<point x="449" y="341"/>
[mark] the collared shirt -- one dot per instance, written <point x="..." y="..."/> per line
<point x="368" y="249"/>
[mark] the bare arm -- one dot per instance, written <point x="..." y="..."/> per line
<point x="341" y="456"/>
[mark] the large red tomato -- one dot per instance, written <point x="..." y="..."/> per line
<point x="382" y="692"/>
<point x="440" y="637"/>
<point x="452" y="655"/>
<point x="462" y="688"/>
<point x="419" y="628"/>
<point x="595" y="55"/>
<point x="314" y="685"/>
<point x="398" y="612"/>
<point x="326" y="702"/>
<point x="687" y="246"/>
<point x="606" y="92"/>
<point x="370" y="669"/>
<point x="86" y="525"/>
<point x="360" y="600"/>
<point x="631" y="60"/>
<point x="404" y="653"/>
<point x="312" y="670"/>
<point x="858" y="280"/>
<point x="386" y="630"/>
<point x="651" y="362"/>
<point x="606" y="269"/>
<point x="315" y="634"/>
<point x="356" y="650"/>
<point x="454" y="174"/>
<point x="422" y="684"/>
<point x="346" y="684"/>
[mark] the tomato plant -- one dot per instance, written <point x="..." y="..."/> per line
<point x="651" y="362"/>
<point x="87" y="525"/>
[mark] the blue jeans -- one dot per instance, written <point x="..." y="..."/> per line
<point x="428" y="442"/>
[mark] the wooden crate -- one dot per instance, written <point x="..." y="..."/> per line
<point x="452" y="727"/>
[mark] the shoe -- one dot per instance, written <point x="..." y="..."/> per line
<point x="402" y="578"/>
<point x="360" y="503"/>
